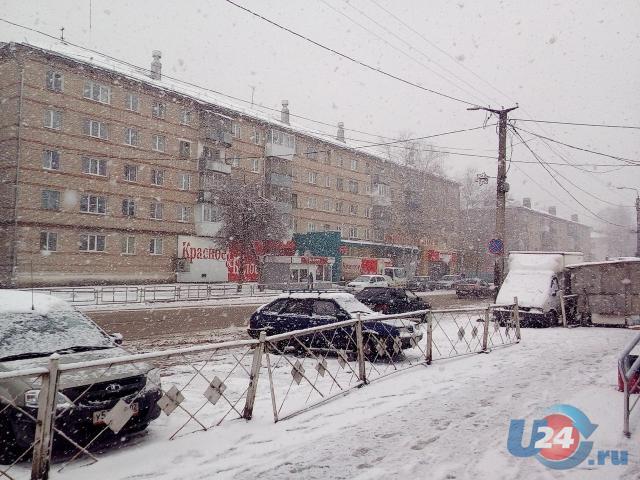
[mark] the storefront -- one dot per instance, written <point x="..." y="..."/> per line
<point x="292" y="272"/>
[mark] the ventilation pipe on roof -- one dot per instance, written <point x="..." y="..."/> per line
<point x="156" y="66"/>
<point x="526" y="202"/>
<point x="552" y="210"/>
<point x="284" y="115"/>
<point x="574" y="217"/>
<point x="340" y="135"/>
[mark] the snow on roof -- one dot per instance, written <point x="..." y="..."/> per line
<point x="606" y="262"/>
<point x="20" y="301"/>
<point x="530" y="261"/>
<point x="346" y="300"/>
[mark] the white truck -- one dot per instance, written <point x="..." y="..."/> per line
<point x="536" y="279"/>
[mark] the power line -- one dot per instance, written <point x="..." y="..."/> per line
<point x="578" y="124"/>
<point x="622" y="159"/>
<point x="562" y="186"/>
<point x="351" y="59"/>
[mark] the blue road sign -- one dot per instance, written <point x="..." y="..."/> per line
<point x="496" y="246"/>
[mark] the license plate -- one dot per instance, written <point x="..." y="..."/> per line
<point x="99" y="416"/>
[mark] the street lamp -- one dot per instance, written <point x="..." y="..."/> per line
<point x="637" y="216"/>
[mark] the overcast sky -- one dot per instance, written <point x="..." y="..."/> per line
<point x="569" y="60"/>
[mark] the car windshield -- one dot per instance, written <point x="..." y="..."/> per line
<point x="363" y="278"/>
<point x="447" y="278"/>
<point x="369" y="293"/>
<point x="33" y="332"/>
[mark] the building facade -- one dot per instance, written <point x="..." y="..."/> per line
<point x="103" y="169"/>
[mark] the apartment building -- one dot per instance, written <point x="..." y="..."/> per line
<point x="107" y="172"/>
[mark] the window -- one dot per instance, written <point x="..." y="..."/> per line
<point x="184" y="213"/>
<point x="236" y="130"/>
<point x="235" y="161"/>
<point x="131" y="136"/>
<point x="353" y="209"/>
<point x="354" y="164"/>
<point x="51" y="159"/>
<point x="353" y="232"/>
<point x="54" y="81"/>
<point x="48" y="241"/>
<point x="340" y="183"/>
<point x="383" y="190"/>
<point x="210" y="153"/>
<point x="158" y="110"/>
<point x="128" y="207"/>
<point x="155" y="211"/>
<point x="53" y="119"/>
<point x="159" y="143"/>
<point x="367" y="212"/>
<point x="312" y="152"/>
<point x="326" y="205"/>
<point x="313" y="177"/>
<point x="155" y="246"/>
<point x="367" y="188"/>
<point x="327" y="181"/>
<point x="311" y="227"/>
<point x="50" y="200"/>
<point x="97" y="92"/>
<point x="128" y="245"/>
<point x="312" y="202"/>
<point x="93" y="204"/>
<point x="367" y="234"/>
<point x="96" y="129"/>
<point x="157" y="177"/>
<point x="255" y="165"/>
<point x="94" y="166"/>
<point x="255" y="136"/>
<point x="294" y="200"/>
<point x="281" y="138"/>
<point x="326" y="227"/>
<point x="185" y="181"/>
<point x="353" y="186"/>
<point x="90" y="242"/>
<point x="132" y="102"/>
<point x="131" y="173"/>
<point x="323" y="308"/>
<point x="185" y="117"/>
<point x="185" y="149"/>
<point x="211" y="213"/>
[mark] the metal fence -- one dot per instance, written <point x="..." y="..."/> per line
<point x="203" y="386"/>
<point x="125" y="295"/>
<point x="629" y="371"/>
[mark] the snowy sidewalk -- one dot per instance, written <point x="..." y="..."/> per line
<point x="449" y="420"/>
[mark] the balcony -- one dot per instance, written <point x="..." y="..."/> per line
<point x="280" y="180"/>
<point x="380" y="200"/>
<point x="280" y="144"/>
<point x="213" y="165"/>
<point x="217" y="135"/>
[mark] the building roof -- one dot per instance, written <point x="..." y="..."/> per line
<point x="193" y="92"/>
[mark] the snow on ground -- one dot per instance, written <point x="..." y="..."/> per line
<point x="444" y="421"/>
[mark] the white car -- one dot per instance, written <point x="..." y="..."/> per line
<point x="363" y="281"/>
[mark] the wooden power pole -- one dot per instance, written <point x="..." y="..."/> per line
<point x="502" y="187"/>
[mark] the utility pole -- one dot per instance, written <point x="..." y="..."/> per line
<point x="637" y="217"/>
<point x="502" y="187"/>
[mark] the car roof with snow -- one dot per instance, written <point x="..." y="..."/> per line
<point x="21" y="301"/>
<point x="345" y="300"/>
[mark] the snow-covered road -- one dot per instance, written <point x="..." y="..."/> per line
<point x="444" y="421"/>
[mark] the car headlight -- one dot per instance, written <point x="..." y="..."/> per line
<point x="32" y="397"/>
<point x="153" y="379"/>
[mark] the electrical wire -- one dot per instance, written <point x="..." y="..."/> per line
<point x="350" y="58"/>
<point x="542" y="163"/>
<point x="578" y="124"/>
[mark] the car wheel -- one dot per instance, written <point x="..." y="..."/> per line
<point x="8" y="448"/>
<point x="552" y="319"/>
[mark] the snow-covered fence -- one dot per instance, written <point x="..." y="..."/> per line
<point x="629" y="371"/>
<point x="80" y="406"/>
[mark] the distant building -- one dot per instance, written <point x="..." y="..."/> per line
<point x="527" y="229"/>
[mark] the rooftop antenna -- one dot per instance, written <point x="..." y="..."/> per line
<point x="62" y="33"/>
<point x="253" y="90"/>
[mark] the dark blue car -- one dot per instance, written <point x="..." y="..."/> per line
<point x="297" y="311"/>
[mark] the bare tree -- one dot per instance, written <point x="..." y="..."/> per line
<point x="417" y="154"/>
<point x="247" y="218"/>
<point x="473" y="197"/>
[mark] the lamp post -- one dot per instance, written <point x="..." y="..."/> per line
<point x="637" y="216"/>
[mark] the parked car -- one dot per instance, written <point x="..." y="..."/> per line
<point x="389" y="300"/>
<point x="475" y="287"/>
<point x="300" y="310"/>
<point x="421" y="284"/>
<point x="363" y="281"/>
<point x="448" y="282"/>
<point x="34" y="326"/>
<point x="397" y="275"/>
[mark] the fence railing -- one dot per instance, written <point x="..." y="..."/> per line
<point x="629" y="371"/>
<point x="125" y="295"/>
<point x="205" y="385"/>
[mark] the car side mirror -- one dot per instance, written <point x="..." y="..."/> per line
<point x="117" y="338"/>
